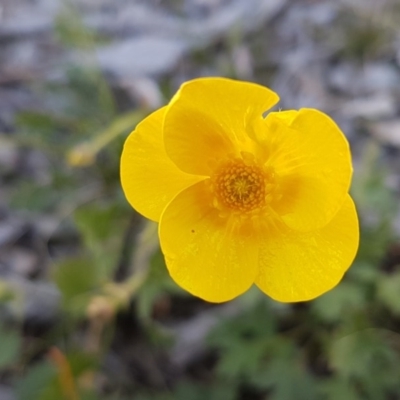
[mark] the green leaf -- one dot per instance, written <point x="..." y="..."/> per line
<point x="344" y="299"/>
<point x="243" y="341"/>
<point x="10" y="344"/>
<point x="102" y="227"/>
<point x="388" y="292"/>
<point x="294" y="383"/>
<point x="6" y="293"/>
<point x="364" y="273"/>
<point x="364" y="354"/>
<point x="80" y="362"/>
<point x="243" y="360"/>
<point x="97" y="222"/>
<point x="256" y="323"/>
<point x="286" y="376"/>
<point x="338" y="388"/>
<point x="194" y="391"/>
<point x="38" y="382"/>
<point x="39" y="122"/>
<point x="75" y="277"/>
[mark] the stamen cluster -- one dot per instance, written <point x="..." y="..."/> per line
<point x="240" y="187"/>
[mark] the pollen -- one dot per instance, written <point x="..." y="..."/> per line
<point x="240" y="187"/>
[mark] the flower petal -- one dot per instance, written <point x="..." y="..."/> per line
<point x="312" y="160"/>
<point x="297" y="266"/>
<point x="207" y="119"/>
<point x="149" y="178"/>
<point x="210" y="256"/>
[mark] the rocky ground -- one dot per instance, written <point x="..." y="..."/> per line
<point x="342" y="57"/>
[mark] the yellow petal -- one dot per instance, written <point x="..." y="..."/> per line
<point x="149" y="178"/>
<point x="207" y="120"/>
<point x="210" y="256"/>
<point x="312" y="161"/>
<point x="297" y="266"/>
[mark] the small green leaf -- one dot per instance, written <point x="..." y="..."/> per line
<point x="75" y="277"/>
<point x="38" y="382"/>
<point x="102" y="227"/>
<point x="388" y="292"/>
<point x="338" y="388"/>
<point x="364" y="354"/>
<point x="10" y="344"/>
<point x="286" y="377"/>
<point x="194" y="391"/>
<point x="344" y="299"/>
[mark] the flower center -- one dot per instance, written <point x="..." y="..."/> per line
<point x="240" y="186"/>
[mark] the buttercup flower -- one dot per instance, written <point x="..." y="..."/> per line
<point x="242" y="197"/>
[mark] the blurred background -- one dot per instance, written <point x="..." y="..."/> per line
<point x="87" y="309"/>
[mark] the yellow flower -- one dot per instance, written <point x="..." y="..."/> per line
<point x="242" y="198"/>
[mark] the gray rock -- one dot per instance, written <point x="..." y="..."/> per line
<point x="245" y="15"/>
<point x="6" y="393"/>
<point x="33" y="301"/>
<point x="23" y="262"/>
<point x="141" y="56"/>
<point x="144" y="91"/>
<point x="8" y="156"/>
<point x="171" y="37"/>
<point x="10" y="230"/>
<point x="357" y="80"/>
<point x="387" y="132"/>
<point x="26" y="18"/>
<point x="380" y="105"/>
